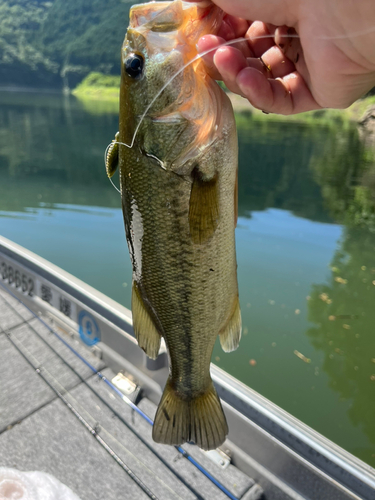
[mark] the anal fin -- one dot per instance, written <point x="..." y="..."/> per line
<point x="147" y="336"/>
<point x="230" y="334"/>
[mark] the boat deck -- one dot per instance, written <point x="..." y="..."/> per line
<point x="58" y="414"/>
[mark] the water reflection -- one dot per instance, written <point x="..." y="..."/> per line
<point x="343" y="312"/>
<point x="345" y="170"/>
<point x="274" y="167"/>
<point x="51" y="151"/>
<point x="306" y="228"/>
<point x="342" y="308"/>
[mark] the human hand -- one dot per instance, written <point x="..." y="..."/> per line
<point x="302" y="55"/>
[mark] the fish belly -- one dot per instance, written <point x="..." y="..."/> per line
<point x="186" y="291"/>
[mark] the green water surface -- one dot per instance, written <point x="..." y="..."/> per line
<point x="305" y="246"/>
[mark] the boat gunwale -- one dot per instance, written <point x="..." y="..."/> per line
<point x="300" y="442"/>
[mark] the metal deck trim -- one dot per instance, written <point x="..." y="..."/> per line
<point x="307" y="447"/>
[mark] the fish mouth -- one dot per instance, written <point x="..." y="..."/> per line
<point x="171" y="16"/>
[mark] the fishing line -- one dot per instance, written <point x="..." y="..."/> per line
<point x="227" y="43"/>
<point x="196" y="58"/>
<point x="183" y="452"/>
<point x="87" y="416"/>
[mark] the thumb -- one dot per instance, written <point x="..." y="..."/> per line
<point x="277" y="12"/>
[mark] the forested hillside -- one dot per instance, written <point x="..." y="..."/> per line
<point x="58" y="42"/>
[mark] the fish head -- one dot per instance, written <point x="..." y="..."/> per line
<point x="162" y="99"/>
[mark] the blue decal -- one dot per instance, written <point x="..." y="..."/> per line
<point x="88" y="328"/>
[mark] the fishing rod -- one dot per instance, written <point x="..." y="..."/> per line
<point x="124" y="398"/>
<point x="93" y="430"/>
<point x="107" y="404"/>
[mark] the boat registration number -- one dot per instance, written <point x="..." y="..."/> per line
<point x="36" y="288"/>
<point x="18" y="279"/>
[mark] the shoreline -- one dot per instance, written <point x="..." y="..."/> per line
<point x="91" y="95"/>
<point x="352" y="114"/>
<point x="32" y="90"/>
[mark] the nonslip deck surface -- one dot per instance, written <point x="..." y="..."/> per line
<point x="38" y="431"/>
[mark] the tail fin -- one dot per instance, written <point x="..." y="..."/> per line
<point x="200" y="420"/>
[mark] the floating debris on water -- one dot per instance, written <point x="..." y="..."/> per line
<point x="341" y="280"/>
<point x="252" y="362"/>
<point x="274" y="345"/>
<point x="373" y="282"/>
<point x="347" y="327"/>
<point x="332" y="317"/>
<point x="356" y="368"/>
<point x="363" y="268"/>
<point x="357" y="335"/>
<point x="297" y="311"/>
<point x="335" y="269"/>
<point x="325" y="298"/>
<point x="272" y="302"/>
<point x="372" y="378"/>
<point x="217" y="358"/>
<point x="245" y="331"/>
<point x="248" y="304"/>
<point x="308" y="297"/>
<point x="316" y="371"/>
<point x="301" y="356"/>
<point x="330" y="342"/>
<point x="124" y="285"/>
<point x="339" y="351"/>
<point x="373" y="360"/>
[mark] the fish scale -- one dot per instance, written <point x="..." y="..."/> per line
<point x="178" y="185"/>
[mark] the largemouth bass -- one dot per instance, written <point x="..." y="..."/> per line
<point x="178" y="186"/>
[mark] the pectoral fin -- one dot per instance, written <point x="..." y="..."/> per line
<point x="203" y="207"/>
<point x="111" y="160"/>
<point x="145" y="331"/>
<point x="230" y="334"/>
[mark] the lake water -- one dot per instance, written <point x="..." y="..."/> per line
<point x="305" y="247"/>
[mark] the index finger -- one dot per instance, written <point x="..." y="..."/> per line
<point x="233" y="27"/>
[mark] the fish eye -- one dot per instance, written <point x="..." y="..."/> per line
<point x="134" y="65"/>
